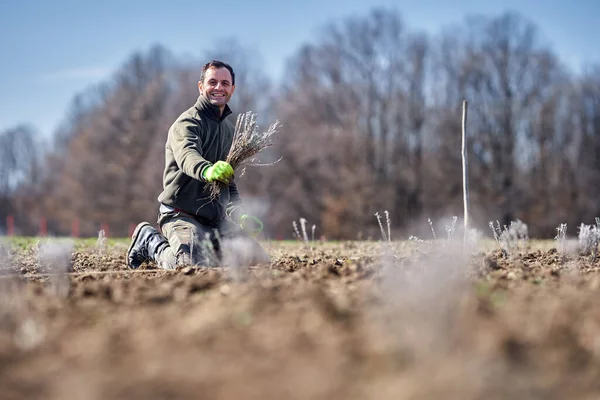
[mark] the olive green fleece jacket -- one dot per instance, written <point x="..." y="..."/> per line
<point x="197" y="139"/>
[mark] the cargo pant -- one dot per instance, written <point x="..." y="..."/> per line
<point x="194" y="243"/>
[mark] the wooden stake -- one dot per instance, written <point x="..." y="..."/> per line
<point x="465" y="169"/>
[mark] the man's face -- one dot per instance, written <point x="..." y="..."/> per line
<point x="217" y="87"/>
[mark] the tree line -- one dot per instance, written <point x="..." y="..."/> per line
<point x="371" y="121"/>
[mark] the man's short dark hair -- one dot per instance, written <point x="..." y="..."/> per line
<point x="217" y="64"/>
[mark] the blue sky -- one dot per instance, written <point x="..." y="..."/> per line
<point x="52" y="49"/>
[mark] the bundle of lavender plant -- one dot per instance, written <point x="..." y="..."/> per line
<point x="247" y="142"/>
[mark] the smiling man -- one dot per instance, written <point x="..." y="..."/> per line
<point x="194" y="226"/>
<point x="216" y="84"/>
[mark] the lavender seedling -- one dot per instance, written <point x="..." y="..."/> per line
<point x="589" y="236"/>
<point x="510" y="238"/>
<point x="432" y="230"/>
<point x="520" y="230"/>
<point x="389" y="225"/>
<point x="296" y="231"/>
<point x="304" y="236"/>
<point x="560" y="238"/>
<point x="508" y="242"/>
<point x="450" y="229"/>
<point x="385" y="237"/>
<point x="247" y="142"/>
<point x="303" y="226"/>
<point x="101" y="242"/>
<point x="496" y="230"/>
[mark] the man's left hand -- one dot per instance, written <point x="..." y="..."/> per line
<point x="251" y="225"/>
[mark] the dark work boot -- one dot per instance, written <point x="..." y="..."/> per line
<point x="146" y="241"/>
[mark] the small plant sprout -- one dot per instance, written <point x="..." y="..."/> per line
<point x="304" y="236"/>
<point x="508" y="242"/>
<point x="510" y="238"/>
<point x="432" y="230"/>
<point x="296" y="231"/>
<point x="495" y="231"/>
<point x="450" y="229"/>
<point x="386" y="237"/>
<point x="314" y="227"/>
<point x="561" y="236"/>
<point x="521" y="230"/>
<point x="589" y="237"/>
<point x="101" y="242"/>
<point x="303" y="226"/>
<point x="388" y="222"/>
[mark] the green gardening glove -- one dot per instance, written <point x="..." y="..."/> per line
<point x="219" y="171"/>
<point x="251" y="225"/>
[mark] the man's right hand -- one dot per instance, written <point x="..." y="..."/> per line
<point x="220" y="171"/>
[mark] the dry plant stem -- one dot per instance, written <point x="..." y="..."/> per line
<point x="381" y="226"/>
<point x="247" y="142"/>
<point x="304" y="237"/>
<point x="303" y="226"/>
<point x="296" y="231"/>
<point x="386" y="237"/>
<point x="389" y="225"/>
<point x="432" y="230"/>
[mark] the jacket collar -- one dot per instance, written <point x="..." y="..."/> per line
<point x="211" y="111"/>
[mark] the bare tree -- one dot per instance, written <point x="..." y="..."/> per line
<point x="511" y="80"/>
<point x="364" y="81"/>
<point x="19" y="165"/>
<point x="585" y="135"/>
<point x="102" y="160"/>
<point x="371" y="122"/>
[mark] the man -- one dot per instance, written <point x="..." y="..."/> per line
<point x="195" y="227"/>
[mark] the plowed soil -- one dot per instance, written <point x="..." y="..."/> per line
<point x="353" y="320"/>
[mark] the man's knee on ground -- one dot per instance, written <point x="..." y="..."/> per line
<point x="189" y="243"/>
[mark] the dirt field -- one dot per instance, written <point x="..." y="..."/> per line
<point x="340" y="321"/>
